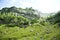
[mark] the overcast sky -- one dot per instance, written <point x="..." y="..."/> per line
<point x="45" y="6"/>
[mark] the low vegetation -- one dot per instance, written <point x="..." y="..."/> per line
<point x="23" y="24"/>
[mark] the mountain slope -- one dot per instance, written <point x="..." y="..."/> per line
<point x="17" y="16"/>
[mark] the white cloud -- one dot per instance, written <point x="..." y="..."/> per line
<point x="26" y="4"/>
<point x="47" y="6"/>
<point x="44" y="6"/>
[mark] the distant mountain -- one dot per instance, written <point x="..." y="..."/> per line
<point x="46" y="14"/>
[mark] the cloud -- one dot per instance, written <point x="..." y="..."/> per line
<point x="45" y="6"/>
<point x="26" y="4"/>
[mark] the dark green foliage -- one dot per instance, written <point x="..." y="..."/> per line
<point x="55" y="18"/>
<point x="11" y="20"/>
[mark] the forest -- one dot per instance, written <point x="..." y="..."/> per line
<point x="28" y="24"/>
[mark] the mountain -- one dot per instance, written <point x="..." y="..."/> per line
<point x="27" y="13"/>
<point x="18" y="17"/>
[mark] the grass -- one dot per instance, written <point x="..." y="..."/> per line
<point x="34" y="32"/>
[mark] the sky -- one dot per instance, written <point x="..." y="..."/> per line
<point x="45" y="6"/>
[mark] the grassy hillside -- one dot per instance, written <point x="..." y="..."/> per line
<point x="15" y="26"/>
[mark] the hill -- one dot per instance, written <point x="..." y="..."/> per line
<point x="18" y="17"/>
<point x="26" y="24"/>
